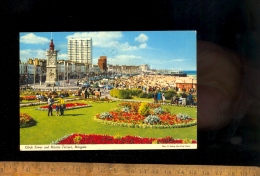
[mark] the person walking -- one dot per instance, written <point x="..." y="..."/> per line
<point x="98" y="94"/>
<point x="163" y="98"/>
<point x="87" y="93"/>
<point x="190" y="99"/>
<point x="173" y="100"/>
<point x="155" y="97"/>
<point x="62" y="105"/>
<point x="83" y="93"/>
<point x="177" y="100"/>
<point x="159" y="97"/>
<point x="57" y="109"/>
<point x="50" y="103"/>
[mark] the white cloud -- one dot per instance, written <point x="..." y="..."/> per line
<point x="101" y="39"/>
<point x="143" y="45"/>
<point x="126" y="47"/>
<point x="142" y="38"/>
<point x="128" y="57"/>
<point x="39" y="53"/>
<point x="176" y="60"/>
<point x="62" y="56"/>
<point x="29" y="53"/>
<point x="110" y="40"/>
<point x="122" y="60"/>
<point x="31" y="38"/>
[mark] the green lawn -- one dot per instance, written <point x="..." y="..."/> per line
<point x="50" y="128"/>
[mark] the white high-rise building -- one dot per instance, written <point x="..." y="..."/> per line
<point x="80" y="50"/>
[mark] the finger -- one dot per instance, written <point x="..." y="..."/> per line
<point x="219" y="85"/>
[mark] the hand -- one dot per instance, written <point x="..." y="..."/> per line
<point x="223" y="94"/>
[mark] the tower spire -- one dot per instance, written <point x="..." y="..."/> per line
<point x="51" y="45"/>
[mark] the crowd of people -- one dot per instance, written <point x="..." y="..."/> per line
<point x="158" y="97"/>
<point x="157" y="84"/>
<point x="184" y="99"/>
<point x="150" y="83"/>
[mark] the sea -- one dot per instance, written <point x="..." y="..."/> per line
<point x="191" y="72"/>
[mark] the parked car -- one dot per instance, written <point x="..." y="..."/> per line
<point x="85" y="84"/>
<point x="109" y="87"/>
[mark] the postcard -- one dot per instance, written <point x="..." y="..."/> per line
<point x="109" y="90"/>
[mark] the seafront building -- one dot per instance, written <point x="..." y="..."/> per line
<point x="80" y="50"/>
<point x="36" y="67"/>
<point x="102" y="63"/>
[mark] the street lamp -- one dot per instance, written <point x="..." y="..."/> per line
<point x="34" y="63"/>
<point x="192" y="82"/>
<point x="40" y="73"/>
<point x="64" y="75"/>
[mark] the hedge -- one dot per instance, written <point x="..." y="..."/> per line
<point x="122" y="94"/>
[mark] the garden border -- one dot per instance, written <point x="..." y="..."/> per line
<point x="144" y="126"/>
<point x="67" y="108"/>
<point x="56" y="142"/>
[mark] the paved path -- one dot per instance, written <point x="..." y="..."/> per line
<point x="71" y="86"/>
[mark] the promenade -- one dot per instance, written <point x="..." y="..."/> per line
<point x="67" y="86"/>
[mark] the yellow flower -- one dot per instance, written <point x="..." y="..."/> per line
<point x="77" y="139"/>
<point x="155" y="142"/>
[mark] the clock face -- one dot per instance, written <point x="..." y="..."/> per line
<point x="51" y="60"/>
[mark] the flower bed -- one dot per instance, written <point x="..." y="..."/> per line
<point x="39" y="103"/>
<point x="68" y="106"/>
<point x="100" y="100"/>
<point x="26" y="120"/>
<point x="128" y="115"/>
<point x="106" y="139"/>
<point x="29" y="97"/>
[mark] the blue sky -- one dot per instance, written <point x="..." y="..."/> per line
<point x="159" y="49"/>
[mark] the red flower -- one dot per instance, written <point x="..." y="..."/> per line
<point x="68" y="105"/>
<point x="106" y="139"/>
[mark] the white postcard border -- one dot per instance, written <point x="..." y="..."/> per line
<point x="106" y="147"/>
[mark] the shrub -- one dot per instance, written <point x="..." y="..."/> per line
<point x="26" y="120"/>
<point x="144" y="109"/>
<point x="182" y="116"/>
<point x="152" y="119"/>
<point x="143" y="95"/>
<point x="114" y="93"/>
<point x="136" y="92"/>
<point x="158" y="110"/>
<point x="150" y="95"/>
<point x="124" y="94"/>
<point x="105" y="115"/>
<point x="126" y="109"/>
<point x="169" y="94"/>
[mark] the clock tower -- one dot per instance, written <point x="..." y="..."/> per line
<point x="51" y="67"/>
